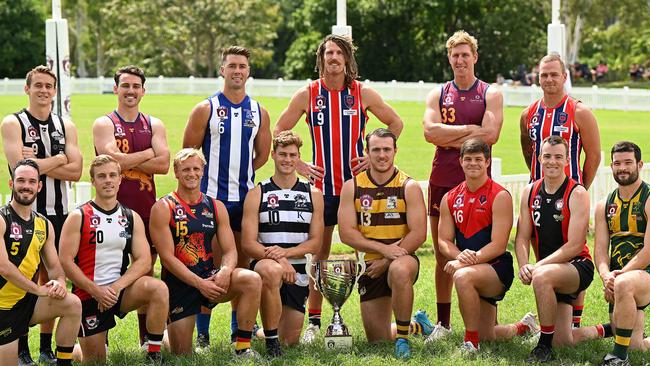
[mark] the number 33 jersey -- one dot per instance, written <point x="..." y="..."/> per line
<point x="472" y="214"/>
<point x="104" y="245"/>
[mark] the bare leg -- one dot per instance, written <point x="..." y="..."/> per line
<point x="444" y="282"/>
<point x="290" y="325"/>
<point x="376" y="315"/>
<point x="180" y="335"/>
<point x="271" y="303"/>
<point x="315" y="299"/>
<point x="9" y="354"/>
<point x="93" y="348"/>
<point x="401" y="275"/>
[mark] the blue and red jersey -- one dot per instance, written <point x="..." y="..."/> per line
<point x="337" y="122"/>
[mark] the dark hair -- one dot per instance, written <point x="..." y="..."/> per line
<point x="235" y="50"/>
<point x="557" y="140"/>
<point x="26" y="162"/>
<point x="348" y="48"/>
<point x="473" y="146"/>
<point x="627" y="146"/>
<point x="40" y="69"/>
<point x="381" y="132"/>
<point x="130" y="69"/>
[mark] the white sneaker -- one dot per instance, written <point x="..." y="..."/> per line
<point x="310" y="334"/>
<point x="249" y="354"/>
<point x="530" y="320"/>
<point x="438" y="332"/>
<point x="467" y="348"/>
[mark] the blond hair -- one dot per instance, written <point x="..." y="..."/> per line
<point x="101" y="160"/>
<point x="460" y="38"/>
<point x="286" y="138"/>
<point x="187" y="153"/>
<point x="553" y="56"/>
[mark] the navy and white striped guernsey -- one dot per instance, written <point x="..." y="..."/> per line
<point x="285" y="215"/>
<point x="228" y="148"/>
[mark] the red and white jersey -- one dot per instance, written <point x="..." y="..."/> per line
<point x="544" y="121"/>
<point x="337" y="122"/>
<point x="105" y="244"/>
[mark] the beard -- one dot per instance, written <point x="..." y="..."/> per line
<point x="23" y="201"/>
<point x="631" y="178"/>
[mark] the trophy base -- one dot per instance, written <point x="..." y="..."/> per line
<point x="338" y="342"/>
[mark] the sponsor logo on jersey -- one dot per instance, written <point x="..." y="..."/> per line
<point x="95" y="221"/>
<point x="391" y="202"/>
<point x="611" y="210"/>
<point x="91" y="322"/>
<point x="16" y="232"/>
<point x="559" y="204"/>
<point x="32" y="133"/>
<point x="349" y="112"/>
<point x="206" y="213"/>
<point x="560" y="129"/>
<point x="320" y="103"/>
<point x="207" y="226"/>
<point x="300" y="202"/>
<point x="222" y="112"/>
<point x="477" y="99"/>
<point x="391" y="215"/>
<point x="559" y="217"/>
<point x="177" y="310"/>
<point x="109" y="220"/>
<point x="125" y="234"/>
<point x="273" y="201"/>
<point x="366" y="202"/>
<point x="56" y="135"/>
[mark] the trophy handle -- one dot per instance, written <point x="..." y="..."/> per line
<point x="361" y="264"/>
<point x="308" y="268"/>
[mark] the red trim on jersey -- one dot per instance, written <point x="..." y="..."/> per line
<point x="186" y="205"/>
<point x="335" y="132"/>
<point x="85" y="258"/>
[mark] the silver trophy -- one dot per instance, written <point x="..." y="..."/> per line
<point x="335" y="279"/>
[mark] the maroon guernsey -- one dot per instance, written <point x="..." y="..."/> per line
<point x="457" y="107"/>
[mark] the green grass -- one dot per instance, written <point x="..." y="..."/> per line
<point x="414" y="157"/>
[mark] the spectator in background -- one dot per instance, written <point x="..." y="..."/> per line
<point x="599" y="72"/>
<point x="636" y="72"/>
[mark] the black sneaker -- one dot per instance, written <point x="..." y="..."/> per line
<point x="273" y="348"/>
<point x="202" y="342"/>
<point x="613" y="360"/>
<point x="25" y="359"/>
<point x="541" y="353"/>
<point x="47" y="358"/>
<point x="154" y="357"/>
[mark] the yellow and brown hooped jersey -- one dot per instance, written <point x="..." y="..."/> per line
<point x="627" y="223"/>
<point x="381" y="208"/>
<point x="23" y="243"/>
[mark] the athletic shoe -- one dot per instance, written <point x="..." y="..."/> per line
<point x="25" y="359"/>
<point x="202" y="342"/>
<point x="438" y="332"/>
<point x="256" y="330"/>
<point x="154" y="357"/>
<point x="402" y="349"/>
<point x="541" y="353"/>
<point x="145" y="346"/>
<point x="273" y="348"/>
<point x="310" y="334"/>
<point x="47" y="358"/>
<point x="530" y="320"/>
<point x="467" y="348"/>
<point x="613" y="360"/>
<point x="421" y="318"/>
<point x="248" y="354"/>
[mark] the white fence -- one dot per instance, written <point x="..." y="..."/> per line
<point x="595" y="97"/>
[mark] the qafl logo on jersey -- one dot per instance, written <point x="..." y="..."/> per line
<point x="611" y="210"/>
<point x="273" y="201"/>
<point x="222" y="112"/>
<point x="449" y="100"/>
<point x="15" y="232"/>
<point x="537" y="202"/>
<point x="119" y="131"/>
<point x="458" y="203"/>
<point x="559" y="204"/>
<point x="320" y="103"/>
<point x="32" y="133"/>
<point x="179" y="213"/>
<point x="366" y="202"/>
<point x="95" y="221"/>
<point x="534" y="121"/>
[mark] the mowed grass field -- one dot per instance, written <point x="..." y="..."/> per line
<point x="414" y="157"/>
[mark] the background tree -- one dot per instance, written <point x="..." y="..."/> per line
<point x="22" y="36"/>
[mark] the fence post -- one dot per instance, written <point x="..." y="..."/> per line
<point x="82" y="192"/>
<point x="280" y="87"/>
<point x="626" y="98"/>
<point x="192" y="88"/>
<point x="497" y="165"/>
<point x="595" y="102"/>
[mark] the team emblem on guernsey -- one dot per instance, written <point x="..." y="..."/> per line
<point x="366" y="202"/>
<point x="123" y="221"/>
<point x="482" y="199"/>
<point x="40" y="235"/>
<point x="273" y="201"/>
<point x="249" y="121"/>
<point x="119" y="131"/>
<point x="562" y="118"/>
<point x="300" y="202"/>
<point x="349" y="101"/>
<point x="537" y="202"/>
<point x="558" y="218"/>
<point x="16" y="232"/>
<point x="222" y="112"/>
<point x="32" y="133"/>
<point x="559" y="204"/>
<point x="459" y="201"/>
<point x="320" y="103"/>
<point x="95" y="221"/>
<point x="611" y="210"/>
<point x="391" y="202"/>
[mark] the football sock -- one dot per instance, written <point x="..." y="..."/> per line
<point x="46" y="342"/>
<point x="243" y="340"/>
<point x="577" y="315"/>
<point x="314" y="316"/>
<point x="444" y="313"/>
<point x="402" y="329"/>
<point x="622" y="342"/>
<point x="64" y="355"/>
<point x="203" y="323"/>
<point x="472" y="336"/>
<point x="546" y="335"/>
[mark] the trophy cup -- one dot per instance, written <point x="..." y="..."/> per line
<point x="335" y="279"/>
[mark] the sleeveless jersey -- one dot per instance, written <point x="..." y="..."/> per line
<point x="285" y="216"/>
<point x="472" y="213"/>
<point x="46" y="138"/>
<point x="381" y="208"/>
<point x="337" y="122"/>
<point x="104" y="245"/>
<point x="193" y="225"/>
<point x="559" y="120"/>
<point x="627" y="224"/>
<point x="23" y="243"/>
<point x="138" y="189"/>
<point x="228" y="148"/>
<point x="550" y="217"/>
<point x="457" y="108"/>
